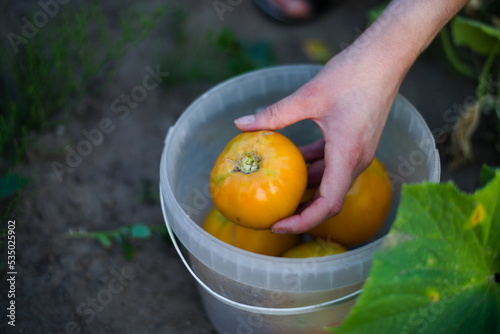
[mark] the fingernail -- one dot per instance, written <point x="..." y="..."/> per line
<point x="245" y="120"/>
<point x="279" y="231"/>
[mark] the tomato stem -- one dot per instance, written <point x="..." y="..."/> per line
<point x="247" y="163"/>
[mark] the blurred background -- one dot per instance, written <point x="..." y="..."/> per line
<point x="88" y="90"/>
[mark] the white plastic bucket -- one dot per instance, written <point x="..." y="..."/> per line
<point x="243" y="292"/>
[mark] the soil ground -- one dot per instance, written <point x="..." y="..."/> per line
<point x="78" y="286"/>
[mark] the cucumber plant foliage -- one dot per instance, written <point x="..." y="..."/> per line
<point x="438" y="270"/>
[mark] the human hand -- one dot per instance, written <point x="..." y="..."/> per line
<point x="349" y="100"/>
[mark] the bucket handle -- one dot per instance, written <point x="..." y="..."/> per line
<point x="247" y="307"/>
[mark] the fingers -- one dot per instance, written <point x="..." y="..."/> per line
<point x="291" y="109"/>
<point x="324" y="205"/>
<point x="318" y="210"/>
<point x="310" y="217"/>
<point x="275" y="116"/>
<point x="328" y="200"/>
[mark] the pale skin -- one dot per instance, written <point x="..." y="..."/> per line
<point x="349" y="99"/>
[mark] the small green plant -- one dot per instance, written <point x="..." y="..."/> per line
<point x="72" y="56"/>
<point x="208" y="56"/>
<point x="471" y="39"/>
<point x="149" y="194"/>
<point x="123" y="236"/>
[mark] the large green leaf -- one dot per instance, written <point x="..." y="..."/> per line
<point x="480" y="37"/>
<point x="438" y="269"/>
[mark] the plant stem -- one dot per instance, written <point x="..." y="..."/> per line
<point x="452" y="56"/>
<point x="483" y="76"/>
<point x="248" y="163"/>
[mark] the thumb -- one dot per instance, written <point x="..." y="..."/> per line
<point x="287" y="111"/>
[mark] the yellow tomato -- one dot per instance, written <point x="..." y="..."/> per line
<point x="261" y="242"/>
<point x="364" y="211"/>
<point x="258" y="179"/>
<point x="314" y="248"/>
<point x="308" y="194"/>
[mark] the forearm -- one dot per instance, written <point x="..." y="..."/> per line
<point x="401" y="33"/>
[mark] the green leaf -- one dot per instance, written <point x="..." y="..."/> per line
<point x="480" y="37"/>
<point x="140" y="231"/>
<point x="487" y="174"/>
<point x="10" y="183"/>
<point x="148" y="195"/>
<point x="103" y="239"/>
<point x="437" y="269"/>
